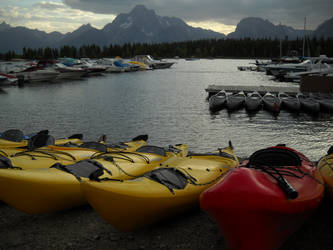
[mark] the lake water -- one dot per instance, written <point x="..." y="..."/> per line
<point x="170" y="105"/>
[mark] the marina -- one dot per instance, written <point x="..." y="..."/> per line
<point x="171" y="107"/>
<point x="135" y="131"/>
<point x="181" y="94"/>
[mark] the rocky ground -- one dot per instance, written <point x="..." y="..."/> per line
<point x="82" y="228"/>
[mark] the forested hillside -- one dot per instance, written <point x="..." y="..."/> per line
<point x="210" y="48"/>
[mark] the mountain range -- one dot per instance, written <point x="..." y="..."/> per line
<point x="142" y="25"/>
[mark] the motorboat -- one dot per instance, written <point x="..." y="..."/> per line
<point x="66" y="72"/>
<point x="154" y="64"/>
<point x="8" y="79"/>
<point x="37" y="73"/>
<point x="91" y="68"/>
<point x="280" y="70"/>
<point x="110" y="66"/>
<point x="323" y="69"/>
<point x="141" y="65"/>
<point x="127" y="67"/>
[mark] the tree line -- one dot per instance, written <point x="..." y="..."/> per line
<point x="206" y="48"/>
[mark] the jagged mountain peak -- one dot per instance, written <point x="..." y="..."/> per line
<point x="254" y="20"/>
<point x="325" y="29"/>
<point x="4" y="26"/>
<point x="144" y="25"/>
<point x="141" y="10"/>
<point x="82" y="29"/>
<point x="85" y="27"/>
<point x="258" y="28"/>
<point x="139" y="16"/>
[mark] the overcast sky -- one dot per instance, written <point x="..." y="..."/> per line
<point x="218" y="15"/>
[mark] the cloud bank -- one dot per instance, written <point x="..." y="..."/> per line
<point x="218" y="15"/>
<point x="228" y="12"/>
<point x="52" y="16"/>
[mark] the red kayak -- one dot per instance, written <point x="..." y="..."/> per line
<point x="259" y="204"/>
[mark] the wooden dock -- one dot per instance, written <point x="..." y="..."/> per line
<point x="213" y="89"/>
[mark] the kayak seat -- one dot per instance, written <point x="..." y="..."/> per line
<point x="94" y="145"/>
<point x="68" y="145"/>
<point x="14" y="135"/>
<point x="28" y="136"/>
<point x="275" y="157"/>
<point x="117" y="145"/>
<point x="169" y="177"/>
<point x="84" y="168"/>
<point x="40" y="140"/>
<point x="152" y="150"/>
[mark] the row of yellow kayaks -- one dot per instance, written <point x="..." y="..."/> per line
<point x="130" y="184"/>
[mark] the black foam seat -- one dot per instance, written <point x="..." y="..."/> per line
<point x="275" y="157"/>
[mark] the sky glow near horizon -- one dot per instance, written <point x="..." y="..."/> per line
<point x="217" y="15"/>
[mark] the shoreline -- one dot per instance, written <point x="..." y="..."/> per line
<point x="82" y="227"/>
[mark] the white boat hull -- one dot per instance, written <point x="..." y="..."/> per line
<point x="38" y="75"/>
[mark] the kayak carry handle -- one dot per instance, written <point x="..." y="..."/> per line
<point x="288" y="189"/>
<point x="102" y="138"/>
<point x="230" y="144"/>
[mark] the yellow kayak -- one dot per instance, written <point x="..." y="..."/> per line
<point x="14" y="138"/>
<point x="65" y="153"/>
<point x="13" y="142"/>
<point x="325" y="166"/>
<point x="44" y="190"/>
<point x="172" y="188"/>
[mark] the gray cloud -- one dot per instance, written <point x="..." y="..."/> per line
<point x="230" y="12"/>
<point x="49" y="5"/>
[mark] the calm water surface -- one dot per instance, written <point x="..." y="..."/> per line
<point x="169" y="105"/>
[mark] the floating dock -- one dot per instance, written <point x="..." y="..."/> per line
<point x="213" y="89"/>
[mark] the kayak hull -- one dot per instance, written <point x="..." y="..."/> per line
<point x="271" y="106"/>
<point x="308" y="104"/>
<point x="253" y="105"/>
<point x="216" y="103"/>
<point x="36" y="191"/>
<point x="132" y="204"/>
<point x="253" y="212"/>
<point x="46" y="190"/>
<point x="325" y="166"/>
<point x="292" y="105"/>
<point x="326" y="105"/>
<point x="235" y="102"/>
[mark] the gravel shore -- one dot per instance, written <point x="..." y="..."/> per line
<point x="82" y="228"/>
